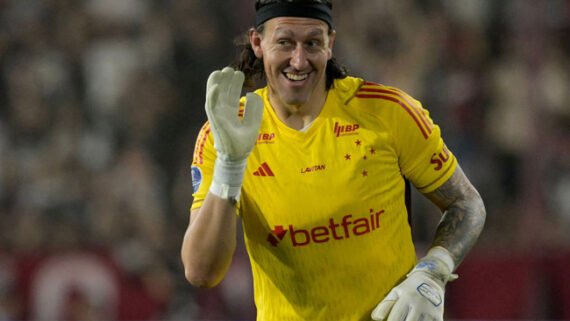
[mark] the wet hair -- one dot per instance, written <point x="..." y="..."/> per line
<point x="252" y="66"/>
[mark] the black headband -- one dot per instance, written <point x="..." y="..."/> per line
<point x="294" y="9"/>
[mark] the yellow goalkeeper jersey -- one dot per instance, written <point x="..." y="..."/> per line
<point x="324" y="210"/>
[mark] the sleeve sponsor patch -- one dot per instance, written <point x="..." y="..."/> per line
<point x="196" y="178"/>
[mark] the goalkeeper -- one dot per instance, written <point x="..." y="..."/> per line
<point x="318" y="166"/>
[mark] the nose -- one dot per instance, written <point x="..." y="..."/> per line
<point x="299" y="58"/>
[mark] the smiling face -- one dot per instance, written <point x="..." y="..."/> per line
<point x="295" y="52"/>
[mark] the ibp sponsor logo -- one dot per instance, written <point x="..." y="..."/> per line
<point x="266" y="138"/>
<point x="441" y="158"/>
<point x="332" y="230"/>
<point x="345" y="130"/>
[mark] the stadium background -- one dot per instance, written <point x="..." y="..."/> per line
<point x="101" y="102"/>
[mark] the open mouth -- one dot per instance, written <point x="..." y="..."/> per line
<point x="294" y="77"/>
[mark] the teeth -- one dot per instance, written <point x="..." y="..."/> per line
<point x="297" y="77"/>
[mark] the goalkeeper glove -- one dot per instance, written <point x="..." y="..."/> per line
<point x="420" y="296"/>
<point x="234" y="138"/>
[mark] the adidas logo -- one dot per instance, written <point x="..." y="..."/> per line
<point x="263" y="170"/>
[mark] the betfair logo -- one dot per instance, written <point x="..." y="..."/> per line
<point x="277" y="235"/>
<point x="333" y="231"/>
<point x="264" y="170"/>
<point x="345" y="130"/>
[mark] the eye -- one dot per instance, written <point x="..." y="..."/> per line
<point x="283" y="42"/>
<point x="313" y="43"/>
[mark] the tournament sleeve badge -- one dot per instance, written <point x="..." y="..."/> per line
<point x="196" y="178"/>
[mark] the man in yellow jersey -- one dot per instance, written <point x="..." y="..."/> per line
<point x="316" y="166"/>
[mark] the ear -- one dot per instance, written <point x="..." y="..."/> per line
<point x="331" y="42"/>
<point x="255" y="41"/>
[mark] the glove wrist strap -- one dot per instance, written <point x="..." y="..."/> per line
<point x="228" y="178"/>
<point x="438" y="263"/>
<point x="444" y="255"/>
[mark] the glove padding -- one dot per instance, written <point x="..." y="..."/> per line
<point x="234" y="138"/>
<point x="420" y="296"/>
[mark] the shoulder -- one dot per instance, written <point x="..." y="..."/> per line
<point x="346" y="88"/>
<point x="391" y="105"/>
<point x="376" y="98"/>
<point x="375" y="95"/>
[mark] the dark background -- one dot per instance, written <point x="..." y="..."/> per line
<point x="101" y="102"/>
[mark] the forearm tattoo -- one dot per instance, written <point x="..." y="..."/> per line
<point x="463" y="218"/>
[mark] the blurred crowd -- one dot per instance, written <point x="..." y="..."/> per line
<point x="101" y="102"/>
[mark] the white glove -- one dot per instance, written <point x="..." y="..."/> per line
<point x="234" y="138"/>
<point x="420" y="296"/>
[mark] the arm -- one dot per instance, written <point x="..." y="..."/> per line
<point x="421" y="295"/>
<point x="210" y="239"/>
<point x="463" y="215"/>
<point x="209" y="242"/>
